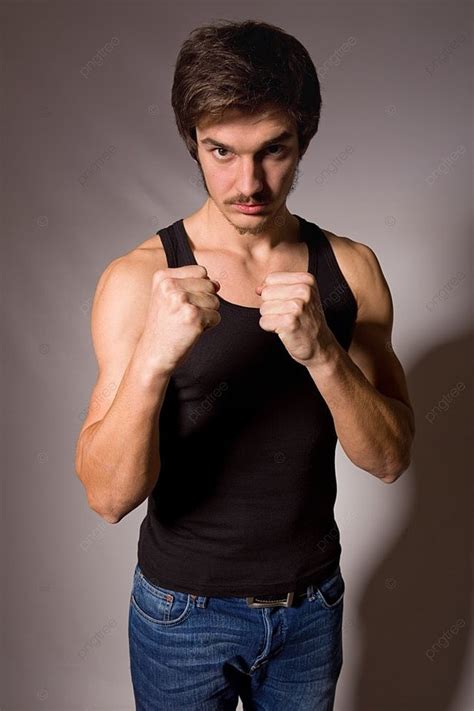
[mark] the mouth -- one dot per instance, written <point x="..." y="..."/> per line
<point x="250" y="208"/>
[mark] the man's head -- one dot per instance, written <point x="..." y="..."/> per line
<point x="242" y="84"/>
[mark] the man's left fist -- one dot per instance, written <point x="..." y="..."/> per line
<point x="291" y="307"/>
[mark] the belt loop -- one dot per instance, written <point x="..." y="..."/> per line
<point x="310" y="592"/>
<point x="200" y="600"/>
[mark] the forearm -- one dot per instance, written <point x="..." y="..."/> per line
<point x="118" y="457"/>
<point x="375" y="431"/>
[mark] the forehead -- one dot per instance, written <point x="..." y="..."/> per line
<point x="234" y="121"/>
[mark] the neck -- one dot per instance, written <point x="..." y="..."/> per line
<point x="247" y="235"/>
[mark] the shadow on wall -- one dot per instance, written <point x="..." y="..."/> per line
<point x="416" y="636"/>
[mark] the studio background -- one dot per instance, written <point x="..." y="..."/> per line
<point x="93" y="165"/>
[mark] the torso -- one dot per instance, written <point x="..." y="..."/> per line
<point x="238" y="279"/>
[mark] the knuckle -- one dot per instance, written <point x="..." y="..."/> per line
<point x="166" y="284"/>
<point x="158" y="276"/>
<point x="179" y="296"/>
<point x="190" y="312"/>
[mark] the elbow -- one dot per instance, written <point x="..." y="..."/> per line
<point x="389" y="469"/>
<point x="402" y="461"/>
<point x="110" y="518"/>
<point x="96" y="503"/>
<point x="105" y="509"/>
<point x="395" y="472"/>
<point x="107" y="513"/>
<point x="114" y="510"/>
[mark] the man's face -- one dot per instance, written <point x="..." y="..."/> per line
<point x="248" y="161"/>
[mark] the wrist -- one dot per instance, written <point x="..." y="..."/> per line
<point x="327" y="353"/>
<point x="152" y="367"/>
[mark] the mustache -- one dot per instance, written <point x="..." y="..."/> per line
<point x="259" y="202"/>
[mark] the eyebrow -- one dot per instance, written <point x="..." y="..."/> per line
<point x="283" y="136"/>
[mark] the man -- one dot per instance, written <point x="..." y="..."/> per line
<point x="235" y="348"/>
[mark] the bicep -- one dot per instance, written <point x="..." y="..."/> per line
<point x="117" y="317"/>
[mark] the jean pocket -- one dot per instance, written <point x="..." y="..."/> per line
<point x="157" y="604"/>
<point x="330" y="591"/>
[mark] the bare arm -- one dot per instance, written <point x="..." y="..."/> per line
<point x="365" y="388"/>
<point x="117" y="454"/>
<point x="145" y="319"/>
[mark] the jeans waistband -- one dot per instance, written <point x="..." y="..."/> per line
<point x="284" y="599"/>
<point x="264" y="600"/>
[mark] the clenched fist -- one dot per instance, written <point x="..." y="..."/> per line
<point x="291" y="308"/>
<point x="183" y="304"/>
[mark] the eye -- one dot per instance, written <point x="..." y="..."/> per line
<point x="280" y="148"/>
<point x="276" y="145"/>
<point x="220" y="149"/>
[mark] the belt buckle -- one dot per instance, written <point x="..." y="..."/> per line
<point x="259" y="601"/>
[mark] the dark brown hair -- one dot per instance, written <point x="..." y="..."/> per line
<point x="247" y="65"/>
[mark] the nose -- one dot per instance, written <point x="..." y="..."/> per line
<point x="249" y="181"/>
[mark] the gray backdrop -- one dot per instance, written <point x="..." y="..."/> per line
<point x="93" y="165"/>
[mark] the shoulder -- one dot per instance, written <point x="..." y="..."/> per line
<point x="361" y="268"/>
<point x="138" y="264"/>
<point x="148" y="255"/>
<point x="125" y="283"/>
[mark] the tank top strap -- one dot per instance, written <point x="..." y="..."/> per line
<point x="332" y="283"/>
<point x="176" y="245"/>
<point x="311" y="234"/>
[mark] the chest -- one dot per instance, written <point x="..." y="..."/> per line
<point x="239" y="277"/>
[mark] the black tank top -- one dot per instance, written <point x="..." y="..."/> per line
<point x="244" y="502"/>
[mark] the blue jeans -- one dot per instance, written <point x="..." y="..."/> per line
<point x="199" y="653"/>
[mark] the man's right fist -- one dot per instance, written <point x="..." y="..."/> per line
<point x="183" y="304"/>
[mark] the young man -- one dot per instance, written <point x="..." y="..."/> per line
<point x="234" y="349"/>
